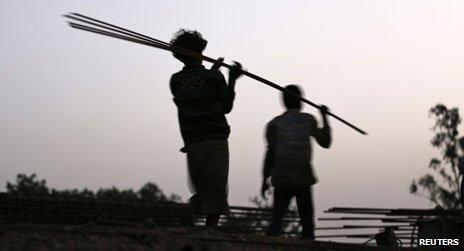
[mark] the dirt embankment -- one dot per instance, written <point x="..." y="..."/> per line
<point x="88" y="237"/>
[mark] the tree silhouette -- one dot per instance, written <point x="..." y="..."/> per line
<point x="151" y="192"/>
<point x="30" y="186"/>
<point x="442" y="188"/>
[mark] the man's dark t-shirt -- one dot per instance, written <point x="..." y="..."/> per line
<point x="288" y="157"/>
<point x="203" y="98"/>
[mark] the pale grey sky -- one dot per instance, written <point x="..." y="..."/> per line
<point x="82" y="110"/>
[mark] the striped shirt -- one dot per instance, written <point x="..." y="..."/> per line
<point x="202" y="98"/>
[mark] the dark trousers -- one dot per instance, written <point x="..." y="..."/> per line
<point x="304" y="201"/>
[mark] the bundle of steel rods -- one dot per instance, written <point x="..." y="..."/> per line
<point x="86" y="23"/>
<point x="414" y="212"/>
<point x="404" y="221"/>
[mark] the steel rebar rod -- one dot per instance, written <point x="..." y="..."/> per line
<point x="146" y="40"/>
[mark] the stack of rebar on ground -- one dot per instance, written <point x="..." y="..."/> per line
<point x="254" y="220"/>
<point x="80" y="211"/>
<point x="403" y="222"/>
<point x="48" y="210"/>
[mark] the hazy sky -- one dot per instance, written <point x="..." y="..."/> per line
<point x="82" y="110"/>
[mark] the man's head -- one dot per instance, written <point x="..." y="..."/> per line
<point x="191" y="40"/>
<point x="290" y="101"/>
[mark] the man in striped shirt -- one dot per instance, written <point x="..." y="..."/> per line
<point x="203" y="97"/>
<point x="288" y="161"/>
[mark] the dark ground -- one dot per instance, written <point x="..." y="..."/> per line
<point x="90" y="237"/>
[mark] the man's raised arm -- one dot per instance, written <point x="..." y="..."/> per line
<point x="323" y="135"/>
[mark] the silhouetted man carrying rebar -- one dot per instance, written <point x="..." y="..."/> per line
<point x="288" y="161"/>
<point x="203" y="98"/>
